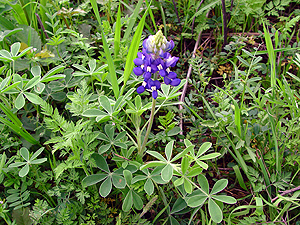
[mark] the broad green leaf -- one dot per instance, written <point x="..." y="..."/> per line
<point x="197" y="200"/>
<point x="202" y="164"/>
<point x="194" y="172"/>
<point x="14" y="49"/>
<point x="15" y="84"/>
<point x="203" y="182"/>
<point x="184" y="152"/>
<point x="224" y="198"/>
<point x="167" y="172"/>
<point x="188" y="187"/>
<point x="210" y="156"/>
<point x="93" y="179"/>
<point x="169" y="149"/>
<point x="51" y="72"/>
<point x="39" y="87"/>
<point x="38" y="161"/>
<point x="128" y="176"/>
<point x="137" y="201"/>
<point x="20" y="101"/>
<point x="138" y="178"/>
<point x="32" y="82"/>
<point x="118" y="181"/>
<point x="157" y="155"/>
<point x="92" y="65"/>
<point x="128" y="201"/>
<point x="220" y="185"/>
<point x="104" y="148"/>
<point x="24" y="171"/>
<point x="179" y="205"/>
<point x="178" y="182"/>
<point x="93" y="113"/>
<point x="24" y="153"/>
<point x="204" y="147"/>
<point x="5" y="82"/>
<point x="214" y="211"/>
<point x="152" y="164"/>
<point x="104" y="101"/>
<point x="17" y="164"/>
<point x="149" y="187"/>
<point x="185" y="163"/>
<point x="100" y="162"/>
<point x="105" y="187"/>
<point x="36" y="71"/>
<point x="35" y="99"/>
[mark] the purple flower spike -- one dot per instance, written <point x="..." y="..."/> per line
<point x="175" y="82"/>
<point x="155" y="57"/>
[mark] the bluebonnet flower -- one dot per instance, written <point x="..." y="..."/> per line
<point x="155" y="57"/>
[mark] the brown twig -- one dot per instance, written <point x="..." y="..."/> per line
<point x="42" y="25"/>
<point x="224" y="23"/>
<point x="187" y="81"/>
<point x="286" y="192"/>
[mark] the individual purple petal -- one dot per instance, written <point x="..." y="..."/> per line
<point x="167" y="80"/>
<point x="147" y="75"/>
<point x="154" y="94"/>
<point x="171" y="61"/>
<point x="172" y="75"/>
<point x="138" y="71"/>
<point x="153" y="68"/>
<point x="140" y="89"/>
<point x="138" y="61"/>
<point x="162" y="73"/>
<point x="175" y="82"/>
<point x="157" y="84"/>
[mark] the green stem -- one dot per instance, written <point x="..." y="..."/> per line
<point x="141" y="150"/>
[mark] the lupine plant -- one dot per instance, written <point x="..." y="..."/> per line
<point x="154" y="63"/>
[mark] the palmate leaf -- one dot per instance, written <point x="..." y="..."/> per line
<point x="128" y="201"/>
<point x="149" y="187"/>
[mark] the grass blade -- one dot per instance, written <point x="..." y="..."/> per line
<point x="118" y="32"/>
<point x="132" y="53"/>
<point x="111" y="67"/>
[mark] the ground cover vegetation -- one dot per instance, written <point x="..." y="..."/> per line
<point x="149" y="112"/>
